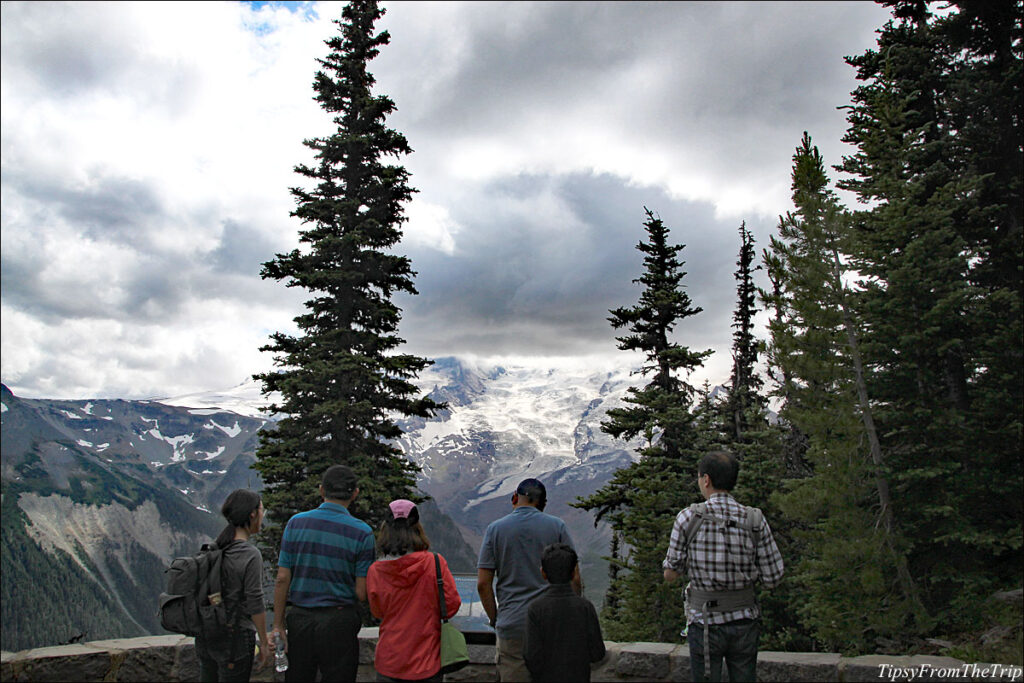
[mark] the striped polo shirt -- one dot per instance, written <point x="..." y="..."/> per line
<point x="326" y="549"/>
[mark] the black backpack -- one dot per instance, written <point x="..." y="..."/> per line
<point x="193" y="604"/>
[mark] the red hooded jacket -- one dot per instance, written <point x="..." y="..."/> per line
<point x="403" y="595"/>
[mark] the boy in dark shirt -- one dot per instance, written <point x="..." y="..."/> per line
<point x="563" y="635"/>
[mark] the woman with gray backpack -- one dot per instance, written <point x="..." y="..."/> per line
<point x="228" y="655"/>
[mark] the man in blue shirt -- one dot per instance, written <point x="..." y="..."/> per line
<point x="510" y="565"/>
<point x="325" y="555"/>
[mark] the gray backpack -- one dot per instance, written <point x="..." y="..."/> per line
<point x="192" y="604"/>
<point x="700" y="512"/>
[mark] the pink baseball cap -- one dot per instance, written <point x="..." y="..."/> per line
<point x="401" y="508"/>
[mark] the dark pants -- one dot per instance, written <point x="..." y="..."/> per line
<point x="324" y="638"/>
<point x="226" y="660"/>
<point x="436" y="678"/>
<point x="735" y="641"/>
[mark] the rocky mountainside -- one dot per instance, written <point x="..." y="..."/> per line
<point x="99" y="495"/>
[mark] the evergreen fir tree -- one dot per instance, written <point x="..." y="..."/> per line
<point x="939" y="156"/>
<point x="794" y="442"/>
<point x="640" y="500"/>
<point x="745" y="406"/>
<point x="851" y="537"/>
<point x="744" y="430"/>
<point x="341" y="380"/>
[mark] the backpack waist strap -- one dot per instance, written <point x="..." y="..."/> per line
<point x="721" y="601"/>
<point x="717" y="601"/>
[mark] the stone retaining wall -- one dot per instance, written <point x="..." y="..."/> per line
<point x="172" y="658"/>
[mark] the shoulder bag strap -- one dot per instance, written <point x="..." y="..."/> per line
<point x="440" y="589"/>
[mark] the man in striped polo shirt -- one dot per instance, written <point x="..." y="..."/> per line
<point x="325" y="555"/>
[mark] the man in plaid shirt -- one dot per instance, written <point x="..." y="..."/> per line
<point x="724" y="560"/>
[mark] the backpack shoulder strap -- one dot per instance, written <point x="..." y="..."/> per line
<point x="755" y="518"/>
<point x="699" y="511"/>
<point x="215" y="563"/>
<point x="752" y="524"/>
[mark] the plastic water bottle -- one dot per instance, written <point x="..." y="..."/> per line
<point x="280" y="658"/>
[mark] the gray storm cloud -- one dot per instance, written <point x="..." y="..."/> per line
<point x="147" y="151"/>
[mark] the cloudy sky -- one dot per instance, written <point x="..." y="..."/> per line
<point x="147" y="153"/>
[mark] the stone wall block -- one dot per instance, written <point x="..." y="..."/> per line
<point x="798" y="667"/>
<point x="604" y="671"/>
<point x="681" y="664"/>
<point x="140" y="659"/>
<point x="59" y="663"/>
<point x="645" y="661"/>
<point x="9" y="666"/>
<point x="154" y="664"/>
<point x="186" y="661"/>
<point x="867" y="667"/>
<point x="480" y="654"/>
<point x="368" y="644"/>
<point x="473" y="672"/>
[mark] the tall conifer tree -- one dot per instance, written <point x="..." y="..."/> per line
<point x="745" y="407"/>
<point x="940" y="157"/>
<point x="743" y="429"/>
<point x="341" y="380"/>
<point x="639" y="501"/>
<point x="846" y="505"/>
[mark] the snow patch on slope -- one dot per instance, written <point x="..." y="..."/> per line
<point x="232" y="431"/>
<point x="211" y="456"/>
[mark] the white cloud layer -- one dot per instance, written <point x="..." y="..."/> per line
<point x="147" y="151"/>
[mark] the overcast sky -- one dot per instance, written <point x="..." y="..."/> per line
<point x="148" y="149"/>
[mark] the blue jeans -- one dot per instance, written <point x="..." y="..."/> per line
<point x="736" y="642"/>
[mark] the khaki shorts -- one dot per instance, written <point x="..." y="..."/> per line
<point x="508" y="660"/>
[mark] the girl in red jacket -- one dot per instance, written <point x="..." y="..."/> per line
<point x="402" y="587"/>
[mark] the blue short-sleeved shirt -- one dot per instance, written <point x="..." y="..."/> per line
<point x="326" y="549"/>
<point x="512" y="547"/>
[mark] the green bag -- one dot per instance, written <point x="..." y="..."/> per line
<point x="454" y="653"/>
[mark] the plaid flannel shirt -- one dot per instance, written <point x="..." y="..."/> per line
<point x="723" y="558"/>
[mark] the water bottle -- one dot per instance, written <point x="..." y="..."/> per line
<point x="280" y="658"/>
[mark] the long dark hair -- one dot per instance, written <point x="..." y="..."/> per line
<point x="402" y="535"/>
<point x="237" y="509"/>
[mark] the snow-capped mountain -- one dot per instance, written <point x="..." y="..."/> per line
<point x="503" y="423"/>
<point x="506" y="423"/>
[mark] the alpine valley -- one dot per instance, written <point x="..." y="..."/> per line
<point x="99" y="495"/>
